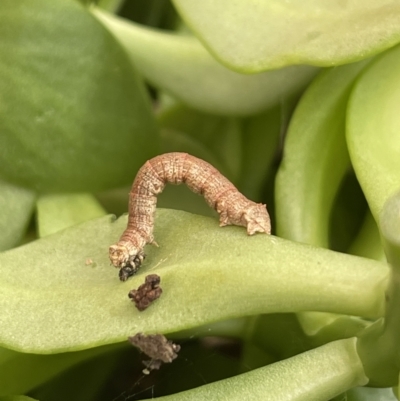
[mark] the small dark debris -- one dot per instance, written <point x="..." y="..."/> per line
<point x="147" y="292"/>
<point x="157" y="347"/>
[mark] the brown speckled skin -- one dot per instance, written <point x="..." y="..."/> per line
<point x="200" y="177"/>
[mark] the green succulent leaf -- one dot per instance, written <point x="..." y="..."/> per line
<point x="16" y="208"/>
<point x="207" y="274"/>
<point x="315" y="157"/>
<point x="314" y="165"/>
<point x="252" y="36"/>
<point x="181" y="66"/>
<point x="319" y="374"/>
<point x="368" y="242"/>
<point x="60" y="211"/>
<point x="21" y="372"/>
<point x="378" y="347"/>
<point x="373" y="127"/>
<point x="74" y="116"/>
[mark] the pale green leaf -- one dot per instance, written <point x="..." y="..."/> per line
<point x="256" y="35"/>
<point x="52" y="300"/>
<point x="316" y="375"/>
<point x="60" y="211"/>
<point x="368" y="242"/>
<point x="181" y="66"/>
<point x="21" y="372"/>
<point x="373" y="130"/>
<point x="73" y="113"/>
<point x="315" y="158"/>
<point x="314" y="164"/>
<point x="16" y="208"/>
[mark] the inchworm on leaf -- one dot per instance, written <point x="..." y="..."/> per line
<point x="202" y="178"/>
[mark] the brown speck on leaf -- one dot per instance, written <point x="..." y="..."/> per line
<point x="157" y="347"/>
<point x="147" y="292"/>
<point x="88" y="262"/>
<point x="202" y="178"/>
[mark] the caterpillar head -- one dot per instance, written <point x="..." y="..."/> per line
<point x="119" y="255"/>
<point x="257" y="219"/>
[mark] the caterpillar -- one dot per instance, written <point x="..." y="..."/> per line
<point x="202" y="178"/>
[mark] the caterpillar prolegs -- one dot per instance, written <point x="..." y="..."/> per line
<point x="202" y="178"/>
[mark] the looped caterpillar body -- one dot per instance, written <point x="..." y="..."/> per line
<point x="202" y="178"/>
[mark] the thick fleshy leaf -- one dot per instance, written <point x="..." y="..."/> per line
<point x="319" y="374"/>
<point x="16" y="208"/>
<point x="368" y="242"/>
<point x="60" y="211"/>
<point x="74" y="114"/>
<point x="257" y="35"/>
<point x="314" y="164"/>
<point x="52" y="299"/>
<point x="379" y="348"/>
<point x="181" y="66"/>
<point x="373" y="130"/>
<point x="21" y="372"/>
<point x="315" y="158"/>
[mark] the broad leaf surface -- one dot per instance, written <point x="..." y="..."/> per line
<point x="52" y="300"/>
<point x="373" y="130"/>
<point x="181" y="66"/>
<point x="255" y="35"/>
<point x="74" y="115"/>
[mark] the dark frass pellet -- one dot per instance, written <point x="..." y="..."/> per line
<point x="147" y="292"/>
